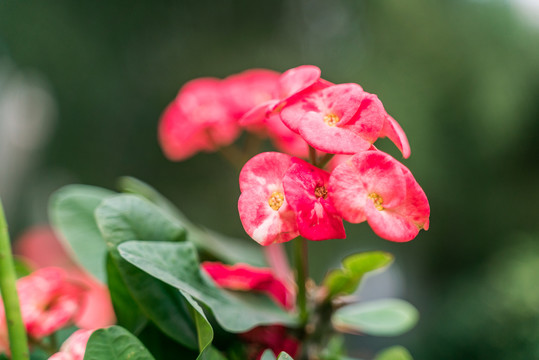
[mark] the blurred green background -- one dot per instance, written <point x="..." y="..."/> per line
<point x="461" y="77"/>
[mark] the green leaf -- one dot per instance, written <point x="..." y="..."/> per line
<point x="71" y="210"/>
<point x="127" y="217"/>
<point x="211" y="353"/>
<point x="268" y="355"/>
<point x="229" y="250"/>
<point x="128" y="313"/>
<point x="394" y="353"/>
<point x="346" y="280"/>
<point x="177" y="264"/>
<point x="132" y="185"/>
<point x="284" y="356"/>
<point x="387" y="317"/>
<point x="203" y="326"/>
<point x="115" y="343"/>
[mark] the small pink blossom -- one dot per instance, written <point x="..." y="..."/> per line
<point x="375" y="187"/>
<point x="199" y="119"/>
<point x="292" y="85"/>
<point x="263" y="207"/>
<point x="306" y="189"/>
<point x="340" y="119"/>
<point x="48" y="302"/>
<point x="41" y="248"/>
<point x="74" y="347"/>
<point x="244" y="277"/>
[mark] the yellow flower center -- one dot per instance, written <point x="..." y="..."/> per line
<point x="377" y="200"/>
<point x="331" y="119"/>
<point x="276" y="200"/>
<point x="320" y="192"/>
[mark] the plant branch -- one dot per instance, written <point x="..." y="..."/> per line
<point x="301" y="265"/>
<point x="8" y="287"/>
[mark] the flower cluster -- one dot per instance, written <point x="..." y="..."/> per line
<point x="283" y="196"/>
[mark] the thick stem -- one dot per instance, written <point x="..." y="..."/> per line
<point x="325" y="159"/>
<point x="301" y="265"/>
<point x="312" y="155"/>
<point x="17" y="334"/>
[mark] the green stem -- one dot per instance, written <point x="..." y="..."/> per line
<point x="17" y="334"/>
<point x="325" y="159"/>
<point x="301" y="265"/>
<point x="312" y="155"/>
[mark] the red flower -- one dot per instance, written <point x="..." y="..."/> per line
<point x="375" y="187"/>
<point x="306" y="189"/>
<point x="244" y="277"/>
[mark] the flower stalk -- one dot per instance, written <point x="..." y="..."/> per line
<point x="301" y="265"/>
<point x="17" y="334"/>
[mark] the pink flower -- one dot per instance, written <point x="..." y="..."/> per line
<point x="340" y="119"/>
<point x="292" y="85"/>
<point x="343" y="119"/>
<point x="248" y="89"/>
<point x="244" y="277"/>
<point x="306" y="190"/>
<point x="375" y="187"/>
<point x="48" y="301"/>
<point x="263" y="208"/>
<point x="199" y="119"/>
<point x="41" y="248"/>
<point x="74" y="347"/>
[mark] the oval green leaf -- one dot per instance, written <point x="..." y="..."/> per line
<point x="387" y="317"/>
<point x="115" y="343"/>
<point x="177" y="264"/>
<point x="71" y="211"/>
<point x="394" y="353"/>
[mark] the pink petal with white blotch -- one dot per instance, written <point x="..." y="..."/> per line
<point x="306" y="191"/>
<point x="393" y="131"/>
<point x="375" y="187"/>
<point x="263" y="208"/>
